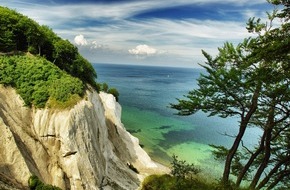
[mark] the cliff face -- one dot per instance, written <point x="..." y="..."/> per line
<point x="85" y="147"/>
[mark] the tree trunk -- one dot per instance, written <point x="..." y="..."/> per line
<point x="250" y="162"/>
<point x="232" y="151"/>
<point x="272" y="172"/>
<point x="264" y="163"/>
<point x="244" y="123"/>
<point x="268" y="131"/>
<point x="278" y="179"/>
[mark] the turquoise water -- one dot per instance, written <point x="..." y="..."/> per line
<point x="145" y="96"/>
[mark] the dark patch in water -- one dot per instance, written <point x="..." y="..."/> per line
<point x="164" y="127"/>
<point x="177" y="137"/>
<point x="134" y="131"/>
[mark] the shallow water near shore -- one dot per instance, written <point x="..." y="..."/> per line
<point x="145" y="95"/>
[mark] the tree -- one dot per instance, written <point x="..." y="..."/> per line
<point x="82" y="69"/>
<point x="237" y="84"/>
<point x="182" y="170"/>
<point x="64" y="54"/>
<point x="114" y="92"/>
<point x="105" y="87"/>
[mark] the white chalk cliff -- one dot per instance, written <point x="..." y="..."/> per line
<point x="85" y="147"/>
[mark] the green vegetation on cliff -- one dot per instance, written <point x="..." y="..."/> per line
<point x="38" y="80"/>
<point x="39" y="64"/>
<point x="35" y="184"/>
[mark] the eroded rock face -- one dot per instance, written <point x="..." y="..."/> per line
<point x="85" y="147"/>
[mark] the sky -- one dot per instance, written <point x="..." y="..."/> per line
<point x="145" y="32"/>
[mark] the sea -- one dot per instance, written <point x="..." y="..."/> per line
<point x="146" y="93"/>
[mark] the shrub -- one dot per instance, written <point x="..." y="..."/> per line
<point x="169" y="182"/>
<point x="183" y="176"/>
<point x="183" y="170"/>
<point x="105" y="87"/>
<point x="37" y="80"/>
<point x="159" y="182"/>
<point x="114" y="92"/>
<point x="62" y="88"/>
<point x="35" y="184"/>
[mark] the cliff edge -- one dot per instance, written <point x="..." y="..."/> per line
<point x="85" y="147"/>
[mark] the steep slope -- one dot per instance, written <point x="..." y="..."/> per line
<point x="85" y="147"/>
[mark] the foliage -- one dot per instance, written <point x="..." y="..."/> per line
<point x="35" y="184"/>
<point x="251" y="81"/>
<point x="105" y="88"/>
<point x="182" y="170"/>
<point x="183" y="176"/>
<point x="34" y="76"/>
<point x="56" y="104"/>
<point x="219" y="152"/>
<point x="37" y="80"/>
<point x="168" y="182"/>
<point x="18" y="33"/>
<point x="114" y="92"/>
<point x="61" y="89"/>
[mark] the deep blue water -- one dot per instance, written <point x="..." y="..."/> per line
<point x="145" y="95"/>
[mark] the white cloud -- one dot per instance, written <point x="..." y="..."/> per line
<point x="57" y="15"/>
<point x="80" y="40"/>
<point x="96" y="45"/>
<point x="143" y="50"/>
<point x="107" y="35"/>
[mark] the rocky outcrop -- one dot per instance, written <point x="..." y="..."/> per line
<point x="85" y="147"/>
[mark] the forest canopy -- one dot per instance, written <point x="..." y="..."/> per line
<point x="38" y="63"/>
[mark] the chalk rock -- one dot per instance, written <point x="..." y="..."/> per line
<point x="85" y="147"/>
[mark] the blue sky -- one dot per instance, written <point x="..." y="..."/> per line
<point x="147" y="32"/>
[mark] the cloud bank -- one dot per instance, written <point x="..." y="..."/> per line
<point x="106" y="32"/>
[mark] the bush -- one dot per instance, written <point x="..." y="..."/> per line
<point x="183" y="170"/>
<point x="183" y="176"/>
<point x="37" y="80"/>
<point x="105" y="87"/>
<point x="159" y="182"/>
<point x="64" y="87"/>
<point x="114" y="92"/>
<point x="35" y="184"/>
<point x="169" y="182"/>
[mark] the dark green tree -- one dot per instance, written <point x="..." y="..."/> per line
<point x="64" y="54"/>
<point x="114" y="92"/>
<point x="182" y="170"/>
<point x="105" y="87"/>
<point x="251" y="82"/>
<point x="82" y="69"/>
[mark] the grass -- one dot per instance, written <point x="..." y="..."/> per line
<point x="71" y="102"/>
